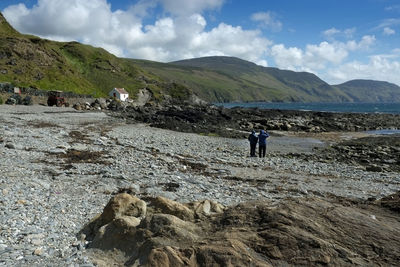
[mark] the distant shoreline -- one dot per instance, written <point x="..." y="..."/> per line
<point x="359" y="107"/>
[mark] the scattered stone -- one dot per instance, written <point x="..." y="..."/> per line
<point x="38" y="252"/>
<point x="10" y="146"/>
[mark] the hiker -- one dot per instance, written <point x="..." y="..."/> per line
<point x="253" y="139"/>
<point x="262" y="143"/>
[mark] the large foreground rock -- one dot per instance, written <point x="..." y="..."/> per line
<point x="312" y="231"/>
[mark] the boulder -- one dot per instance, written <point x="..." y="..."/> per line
<point x="207" y="208"/>
<point x="11" y="101"/>
<point x="124" y="205"/>
<point x="122" y="209"/>
<point x="164" y="205"/>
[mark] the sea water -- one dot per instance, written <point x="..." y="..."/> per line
<point x="393" y="108"/>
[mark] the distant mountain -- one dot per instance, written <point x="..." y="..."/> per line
<point x="371" y="91"/>
<point x="223" y="79"/>
<point x="287" y="85"/>
<point x="30" y="61"/>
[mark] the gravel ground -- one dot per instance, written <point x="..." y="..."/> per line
<point x="59" y="167"/>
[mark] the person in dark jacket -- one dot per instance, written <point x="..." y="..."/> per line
<point x="262" y="143"/>
<point x="253" y="139"/>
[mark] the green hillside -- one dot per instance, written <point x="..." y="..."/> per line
<point x="371" y="91"/>
<point x="70" y="66"/>
<point x="222" y="79"/>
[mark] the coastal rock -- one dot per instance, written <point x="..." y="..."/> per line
<point x="391" y="202"/>
<point x="122" y="209"/>
<point x="207" y="208"/>
<point x="208" y="119"/>
<point x="336" y="232"/>
<point x="177" y="209"/>
<point x="124" y="205"/>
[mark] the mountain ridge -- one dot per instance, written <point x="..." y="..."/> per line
<point x="304" y="82"/>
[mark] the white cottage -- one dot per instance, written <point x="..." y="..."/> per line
<point x="119" y="93"/>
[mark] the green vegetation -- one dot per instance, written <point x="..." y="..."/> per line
<point x="30" y="61"/>
<point x="371" y="91"/>
<point x="6" y="29"/>
<point x="1" y="100"/>
<point x="222" y="79"/>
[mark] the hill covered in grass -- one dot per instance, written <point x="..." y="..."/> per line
<point x="30" y="61"/>
<point x="371" y="91"/>
<point x="226" y="79"/>
<point x="223" y="79"/>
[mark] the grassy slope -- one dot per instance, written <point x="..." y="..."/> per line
<point x="233" y="79"/>
<point x="371" y="91"/>
<point x="272" y="83"/>
<point x="70" y="66"/>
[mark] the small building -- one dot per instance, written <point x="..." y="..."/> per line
<point x="119" y="93"/>
<point x="17" y="91"/>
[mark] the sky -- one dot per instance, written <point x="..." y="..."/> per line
<point x="338" y="40"/>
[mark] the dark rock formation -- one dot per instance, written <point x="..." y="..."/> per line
<point x="375" y="153"/>
<point x="237" y="122"/>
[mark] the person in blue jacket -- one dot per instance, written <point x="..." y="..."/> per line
<point x="262" y="143"/>
<point x="253" y="139"/>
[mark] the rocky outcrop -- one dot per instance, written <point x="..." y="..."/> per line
<point x="375" y="153"/>
<point x="340" y="232"/>
<point x="237" y="122"/>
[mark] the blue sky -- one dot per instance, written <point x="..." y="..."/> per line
<point x="338" y="40"/>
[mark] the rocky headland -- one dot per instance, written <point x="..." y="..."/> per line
<point x="85" y="188"/>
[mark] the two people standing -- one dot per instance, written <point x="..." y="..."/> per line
<point x="261" y="139"/>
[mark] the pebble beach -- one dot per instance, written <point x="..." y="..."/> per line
<point x="59" y="167"/>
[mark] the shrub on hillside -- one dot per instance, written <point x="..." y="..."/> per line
<point x="1" y="100"/>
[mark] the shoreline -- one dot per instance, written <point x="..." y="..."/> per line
<point x="330" y="107"/>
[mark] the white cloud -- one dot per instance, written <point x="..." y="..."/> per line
<point x="393" y="8"/>
<point x="291" y="58"/>
<point x="366" y="42"/>
<point x="379" y="67"/>
<point x="332" y="33"/>
<point x="317" y="58"/>
<point x="267" y="20"/>
<point x="388" y="31"/>
<point x="387" y="23"/>
<point x="182" y="34"/>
